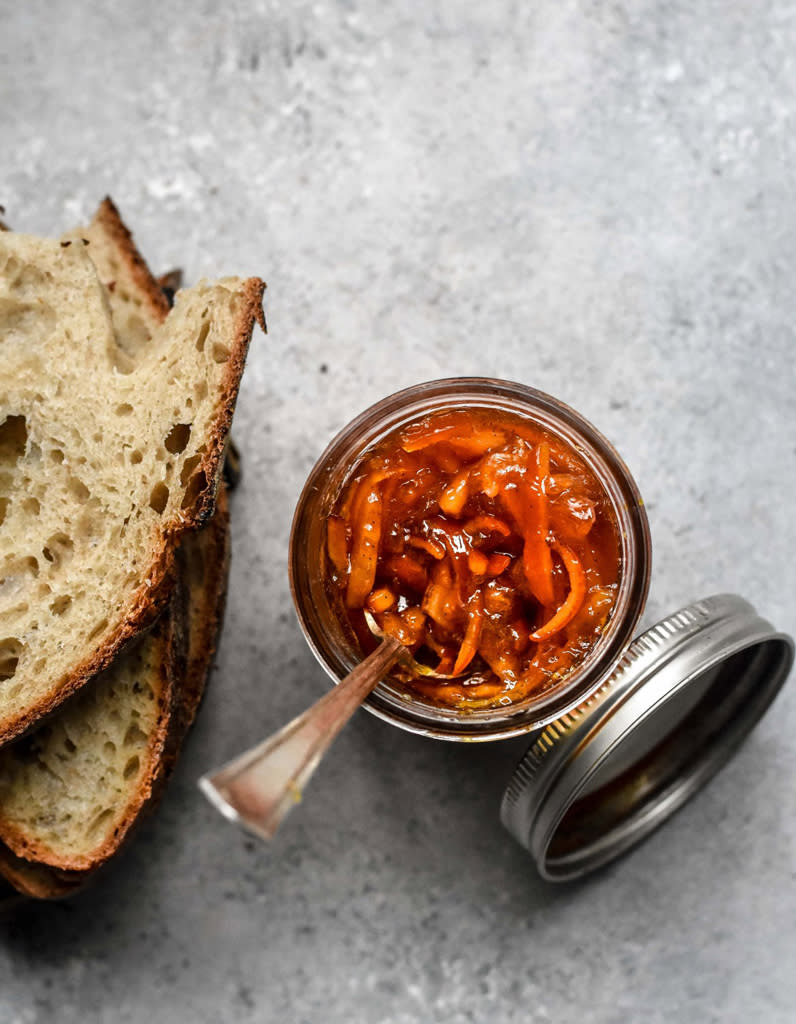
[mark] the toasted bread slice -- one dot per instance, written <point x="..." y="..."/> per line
<point x="103" y="465"/>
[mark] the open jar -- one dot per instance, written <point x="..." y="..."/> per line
<point x="630" y="730"/>
<point x="326" y="630"/>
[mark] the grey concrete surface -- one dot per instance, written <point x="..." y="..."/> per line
<point x="593" y="198"/>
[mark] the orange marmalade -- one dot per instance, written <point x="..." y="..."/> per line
<point x="486" y="545"/>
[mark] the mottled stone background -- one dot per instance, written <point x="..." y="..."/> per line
<point x="595" y="198"/>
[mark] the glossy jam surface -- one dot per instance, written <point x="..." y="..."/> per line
<point x="486" y="545"/>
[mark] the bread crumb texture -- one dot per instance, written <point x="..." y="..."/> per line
<point x="68" y="784"/>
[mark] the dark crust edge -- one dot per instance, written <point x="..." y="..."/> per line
<point x="211" y="464"/>
<point x="109" y="219"/>
<point x="37" y="880"/>
<point x="214" y="543"/>
<point x="149" y="600"/>
<point x="170" y="634"/>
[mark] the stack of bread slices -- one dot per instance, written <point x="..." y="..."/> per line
<point x="114" y="535"/>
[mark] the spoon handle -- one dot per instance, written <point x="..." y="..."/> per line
<point x="259" y="787"/>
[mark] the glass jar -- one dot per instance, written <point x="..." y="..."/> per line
<point x="333" y="646"/>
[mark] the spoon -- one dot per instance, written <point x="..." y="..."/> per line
<point x="260" y="787"/>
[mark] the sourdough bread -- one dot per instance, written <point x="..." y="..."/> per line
<point x="107" y="456"/>
<point x="137" y="301"/>
<point x="71" y="790"/>
<point x="203" y="559"/>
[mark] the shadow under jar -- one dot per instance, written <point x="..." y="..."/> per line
<point x="555" y="439"/>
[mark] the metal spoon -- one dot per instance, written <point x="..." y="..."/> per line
<point x="260" y="787"/>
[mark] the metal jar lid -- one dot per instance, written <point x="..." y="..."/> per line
<point x="676" y="708"/>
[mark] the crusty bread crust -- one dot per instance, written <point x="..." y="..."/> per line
<point x="206" y="605"/>
<point x="108" y="220"/>
<point x="37" y="880"/>
<point x="212" y="463"/>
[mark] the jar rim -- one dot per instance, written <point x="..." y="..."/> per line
<point x="333" y="468"/>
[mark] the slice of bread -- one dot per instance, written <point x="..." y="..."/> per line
<point x="137" y="301"/>
<point x="107" y="457"/>
<point x="71" y="790"/>
<point x="203" y="561"/>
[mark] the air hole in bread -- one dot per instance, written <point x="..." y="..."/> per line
<point x="10" y="269"/>
<point x="25" y="319"/>
<point x="134" y="337"/>
<point x="78" y="489"/>
<point x="10" y="652"/>
<point x="56" y="455"/>
<point x="99" y="821"/>
<point x="109" y="748"/>
<point x="177" y="438"/>
<point x="4" y="503"/>
<point x="13" y="439"/>
<point x="159" y="497"/>
<point x="196" y="486"/>
<point x="220" y="352"/>
<point x="135" y="736"/>
<point x="60" y="604"/>
<point x="125" y="409"/>
<point x="26" y="278"/>
<point x="123" y="363"/>
<point x="58" y="548"/>
<point x="14" y="572"/>
<point x="101" y="625"/>
<point x="201" y="337"/>
<point x="188" y="468"/>
<point x="131" y="767"/>
<point x="69" y="746"/>
<point x="136" y="457"/>
<point x="31" y="506"/>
